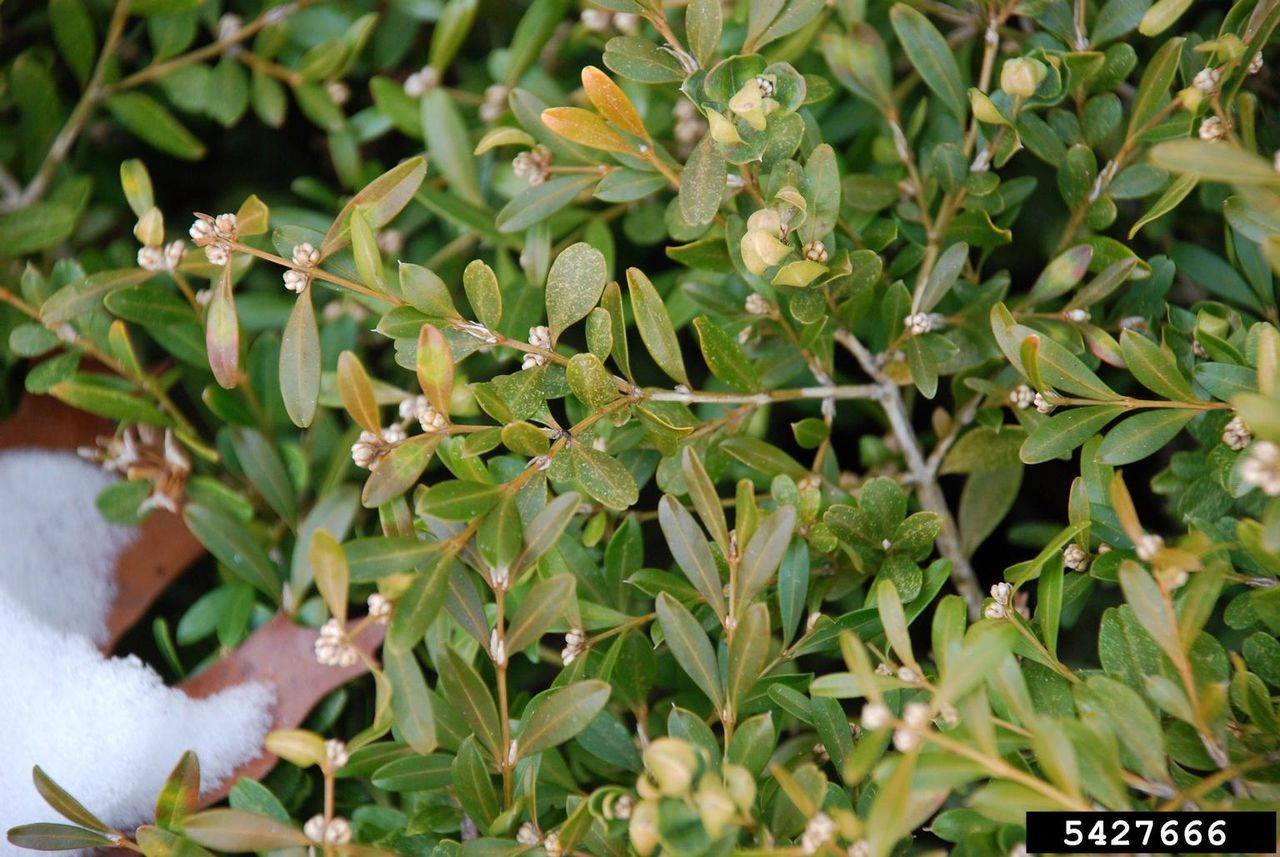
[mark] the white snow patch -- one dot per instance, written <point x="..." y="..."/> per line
<point x="57" y="553"/>
<point x="107" y="729"/>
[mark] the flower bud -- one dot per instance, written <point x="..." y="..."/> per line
<point x="672" y="764"/>
<point x="715" y="806"/>
<point x="741" y="785"/>
<point x="297" y="746"/>
<point x="643" y="828"/>
<point x="1021" y="77"/>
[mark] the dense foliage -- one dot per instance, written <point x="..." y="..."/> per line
<point x="655" y="373"/>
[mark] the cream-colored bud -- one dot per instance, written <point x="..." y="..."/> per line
<point x="672" y="763"/>
<point x="1020" y="77"/>
<point x="643" y="828"/>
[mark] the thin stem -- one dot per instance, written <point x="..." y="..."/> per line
<point x="927" y="488"/>
<point x="319" y="274"/>
<point x="1003" y="770"/>
<point x="147" y="382"/>
<point x="80" y="115"/>
<point x="270" y="16"/>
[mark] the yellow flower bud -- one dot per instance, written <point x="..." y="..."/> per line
<point x="715" y="806"/>
<point x="749" y="103"/>
<point x="741" y="786"/>
<point x="298" y="746"/>
<point x="722" y="130"/>
<point x="762" y="250"/>
<point x="672" y="764"/>
<point x="985" y="109"/>
<point x="643" y="828"/>
<point x="150" y="228"/>
<point x="1021" y="77"/>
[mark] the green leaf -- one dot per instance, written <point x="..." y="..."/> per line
<point x="333" y="512"/>
<point x="1142" y="435"/>
<point x="153" y="124"/>
<point x="234" y="546"/>
<point x="1117" y="708"/>
<point x="378" y="556"/>
<point x="1155" y="367"/>
<point x="266" y="472"/>
<point x="236" y="830"/>
<point x="654" y="324"/>
<point x="590" y="381"/>
<point x="108" y="402"/>
<point x="64" y="804"/>
<point x="410" y="702"/>
<point x="399" y="470"/>
<point x="459" y="500"/>
<point x="332" y="574"/>
<point x="641" y="60"/>
<point x="56" y="837"/>
<point x="539" y="202"/>
<point x="222" y="333"/>
<point x="180" y="796"/>
<point x="468" y="693"/>
<point x="558" y="715"/>
<point x="574" y="284"/>
<point x="547" y="526"/>
<point x="691" y="647"/>
<point x="1152" y="610"/>
<point x="364" y="247"/>
<point x="483" y="293"/>
<point x="73" y="33"/>
<point x="702" y="183"/>
<point x="763" y="553"/>
<point x="1063" y="432"/>
<point x="932" y="57"/>
<point x="35" y="227"/>
<point x="380" y="201"/>
<point x="540" y="608"/>
<point x="419" y="606"/>
<point x="894" y="622"/>
<point x="449" y="147"/>
<point x="724" y="356"/>
<point x="1178" y="190"/>
<point x="426" y="291"/>
<point x="703" y="23"/>
<point x="979" y="657"/>
<point x="690" y="550"/>
<point x="603" y="477"/>
<point x="83" y="295"/>
<point x="748" y="653"/>
<point x="1215" y="162"/>
<point x="300" y="362"/>
<point x="470" y="779"/>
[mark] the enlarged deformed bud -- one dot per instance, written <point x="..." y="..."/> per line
<point x="816" y="251"/>
<point x="643" y="828"/>
<point x="1022" y="397"/>
<point x="672" y="763"/>
<point x="1043" y="405"/>
<point x="1020" y="77"/>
